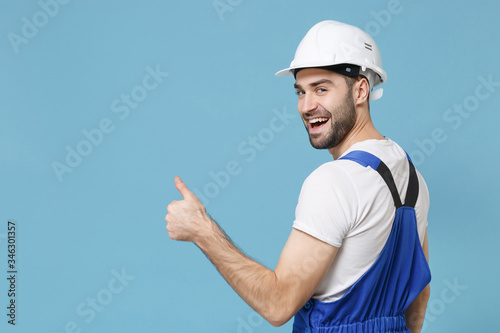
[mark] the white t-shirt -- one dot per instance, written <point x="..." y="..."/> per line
<point x="349" y="206"/>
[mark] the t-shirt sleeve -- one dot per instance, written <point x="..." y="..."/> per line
<point x="422" y="208"/>
<point x="327" y="205"/>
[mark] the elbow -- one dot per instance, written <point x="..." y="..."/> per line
<point x="278" y="321"/>
<point x="279" y="315"/>
<point x="281" y="306"/>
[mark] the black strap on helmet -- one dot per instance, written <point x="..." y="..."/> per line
<point x="344" y="69"/>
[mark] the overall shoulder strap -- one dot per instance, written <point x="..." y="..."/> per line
<point x="412" y="191"/>
<point x="366" y="159"/>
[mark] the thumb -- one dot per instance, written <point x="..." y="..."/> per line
<point x="181" y="187"/>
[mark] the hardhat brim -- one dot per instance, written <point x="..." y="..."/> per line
<point x="285" y="72"/>
<point x="379" y="71"/>
<point x="289" y="71"/>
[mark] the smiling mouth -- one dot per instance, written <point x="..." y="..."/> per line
<point x="316" y="124"/>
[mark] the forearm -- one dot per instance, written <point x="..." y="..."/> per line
<point x="276" y="295"/>
<point x="254" y="283"/>
<point x="415" y="313"/>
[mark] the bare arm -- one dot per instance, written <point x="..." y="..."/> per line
<point x="276" y="295"/>
<point x="415" y="313"/>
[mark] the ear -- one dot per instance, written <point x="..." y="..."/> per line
<point x="361" y="91"/>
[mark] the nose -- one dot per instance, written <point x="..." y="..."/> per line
<point x="307" y="104"/>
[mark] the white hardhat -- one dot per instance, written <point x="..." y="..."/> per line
<point x="331" y="43"/>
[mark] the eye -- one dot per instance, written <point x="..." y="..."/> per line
<point x="300" y="92"/>
<point x="320" y="90"/>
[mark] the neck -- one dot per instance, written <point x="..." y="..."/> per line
<point x="362" y="130"/>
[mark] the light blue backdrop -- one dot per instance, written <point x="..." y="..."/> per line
<point x="103" y="103"/>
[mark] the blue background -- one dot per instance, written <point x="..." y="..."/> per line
<point x="106" y="216"/>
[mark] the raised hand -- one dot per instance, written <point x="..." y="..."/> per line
<point x="187" y="219"/>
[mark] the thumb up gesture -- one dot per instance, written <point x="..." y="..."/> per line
<point x="187" y="219"/>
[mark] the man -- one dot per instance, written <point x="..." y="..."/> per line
<point x="356" y="258"/>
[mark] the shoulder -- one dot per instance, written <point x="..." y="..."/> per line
<point x="332" y="175"/>
<point x="331" y="183"/>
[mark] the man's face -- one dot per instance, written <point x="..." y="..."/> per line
<point x="326" y="106"/>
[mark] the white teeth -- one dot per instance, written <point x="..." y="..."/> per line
<point x="315" y="120"/>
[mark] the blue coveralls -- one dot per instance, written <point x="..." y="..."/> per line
<point x="378" y="300"/>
